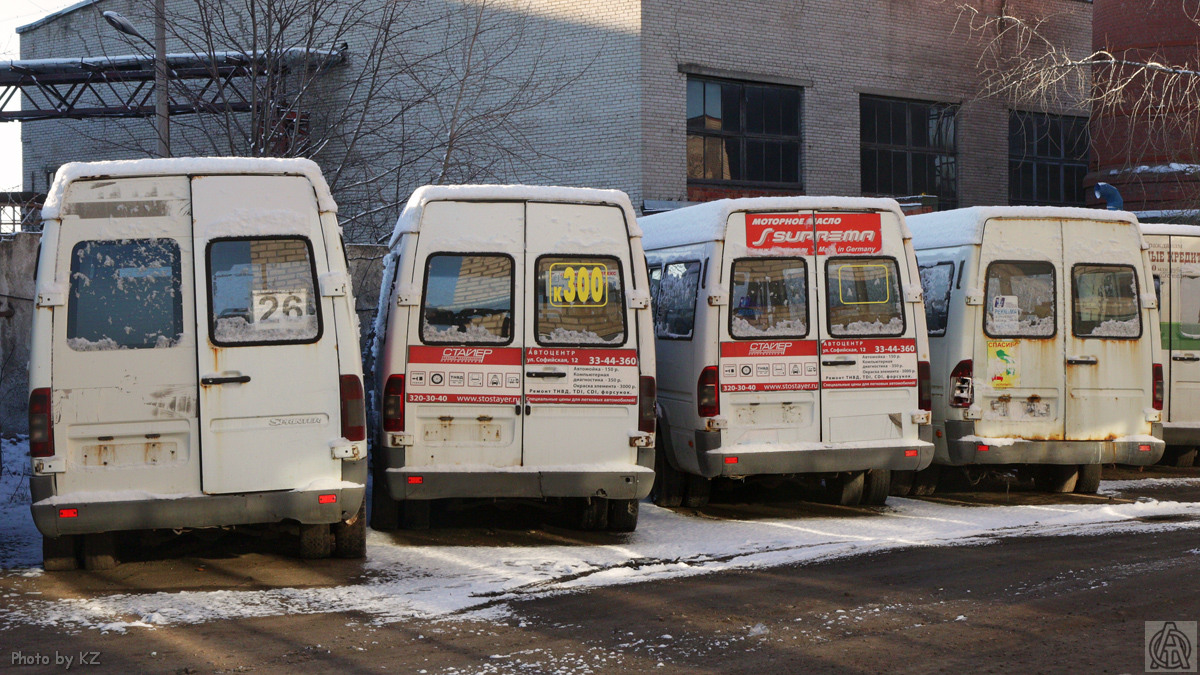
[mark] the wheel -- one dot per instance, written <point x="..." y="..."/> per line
<point x="59" y="553"/>
<point x="902" y="483"/>
<point x="414" y="514"/>
<point x="1056" y="478"/>
<point x="1183" y="457"/>
<point x="315" y="541"/>
<point x="99" y="551"/>
<point x="925" y="481"/>
<point x="846" y="489"/>
<point x="593" y="514"/>
<point x="668" y="481"/>
<point x="698" y="490"/>
<point x="1088" y="481"/>
<point x="876" y="485"/>
<point x="350" y="536"/>
<point x="622" y="515"/>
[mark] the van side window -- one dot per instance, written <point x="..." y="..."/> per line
<point x="125" y="294"/>
<point x="468" y="299"/>
<point x="675" y="305"/>
<point x="580" y="301"/>
<point x="655" y="282"/>
<point x="863" y="297"/>
<point x="936" y="281"/>
<point x="1188" y="298"/>
<point x="1106" y="302"/>
<point x="262" y="291"/>
<point x="769" y="298"/>
<point x="1020" y="300"/>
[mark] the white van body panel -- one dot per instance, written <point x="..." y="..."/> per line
<point x="527" y="414"/>
<point x="799" y="398"/>
<point x="1072" y="389"/>
<point x="140" y="440"/>
<point x="1175" y="266"/>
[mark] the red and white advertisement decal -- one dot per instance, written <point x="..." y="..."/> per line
<point x="490" y="375"/>
<point x="868" y="363"/>
<point x="590" y="376"/>
<point x="836" y="233"/>
<point x="769" y="365"/>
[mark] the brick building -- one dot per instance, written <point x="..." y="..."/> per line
<point x="675" y="101"/>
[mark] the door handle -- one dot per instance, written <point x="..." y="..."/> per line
<point x="1082" y="361"/>
<point x="839" y="362"/>
<point x="228" y="379"/>
<point x="544" y="373"/>
<point x="1186" y="357"/>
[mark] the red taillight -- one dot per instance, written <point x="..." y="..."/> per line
<point x="326" y="499"/>
<point x="982" y="448"/>
<point x="354" y="411"/>
<point x="924" y="387"/>
<point x="731" y="460"/>
<point x="910" y="453"/>
<point x="393" y="404"/>
<point x="1159" y="392"/>
<point x="41" y="426"/>
<point x="646" y="393"/>
<point x="962" y="387"/>
<point x="68" y="513"/>
<point x="416" y="480"/>
<point x="1144" y="448"/>
<point x="708" y="396"/>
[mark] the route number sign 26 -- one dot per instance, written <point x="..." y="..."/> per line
<point x="278" y="307"/>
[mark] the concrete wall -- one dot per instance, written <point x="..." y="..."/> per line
<point x="17" y="261"/>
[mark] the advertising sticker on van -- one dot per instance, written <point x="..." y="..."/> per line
<point x="464" y="375"/>
<point x="851" y="364"/>
<point x="581" y="376"/>
<point x="769" y="365"/>
<point x="836" y="233"/>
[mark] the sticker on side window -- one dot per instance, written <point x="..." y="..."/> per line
<point x="787" y="365"/>
<point x="851" y="364"/>
<point x="837" y="233"/>
<point x="581" y="376"/>
<point x="464" y="375"/>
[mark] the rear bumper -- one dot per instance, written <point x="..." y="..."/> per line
<point x="194" y="512"/>
<point x="1021" y="451"/>
<point x="628" y="481"/>
<point x="898" y="455"/>
<point x="1181" y="433"/>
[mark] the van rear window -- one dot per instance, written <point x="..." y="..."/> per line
<point x="262" y="291"/>
<point x="769" y="298"/>
<point x="936" y="282"/>
<point x="1106" y="302"/>
<point x="675" y="301"/>
<point x="1020" y="300"/>
<point x="125" y="294"/>
<point x="468" y="299"/>
<point x="863" y="295"/>
<point x="580" y="301"/>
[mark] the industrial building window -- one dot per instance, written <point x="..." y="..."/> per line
<point x="909" y="148"/>
<point x="1047" y="159"/>
<point x="741" y="134"/>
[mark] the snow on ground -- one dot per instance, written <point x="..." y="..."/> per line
<point x="438" y="582"/>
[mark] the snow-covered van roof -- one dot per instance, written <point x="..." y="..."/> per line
<point x="964" y="227"/>
<point x="1171" y="228"/>
<point x="410" y="217"/>
<point x="706" y="222"/>
<point x="187" y="166"/>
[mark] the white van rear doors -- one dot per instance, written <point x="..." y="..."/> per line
<point x="768" y="351"/>
<point x="1018" y="367"/>
<point x="868" y="334"/>
<point x="1181" y="310"/>
<point x="581" y="358"/>
<point x="1108" y="348"/>
<point x="463" y="379"/>
<point x="269" y="390"/>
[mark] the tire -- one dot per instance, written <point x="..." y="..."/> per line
<point x="1056" y="478"/>
<point x="414" y="514"/>
<point x="1183" y="458"/>
<point x="315" y="541"/>
<point x="385" y="511"/>
<point x="60" y="554"/>
<point x="925" y="481"/>
<point x="668" y="481"/>
<point x="350" y="536"/>
<point x="593" y="514"/>
<point x="902" y="483"/>
<point x="846" y="489"/>
<point x="876" y="485"/>
<point x="1088" y="481"/>
<point x="699" y="489"/>
<point x="99" y="551"/>
<point x="622" y="515"/>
